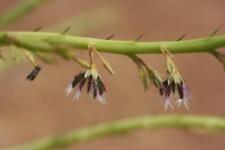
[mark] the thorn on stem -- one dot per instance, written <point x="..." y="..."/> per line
<point x="181" y="38"/>
<point x="215" y="31"/>
<point x="66" y="30"/>
<point x="110" y="37"/>
<point x="220" y="57"/>
<point x="140" y="36"/>
<point x="38" y="28"/>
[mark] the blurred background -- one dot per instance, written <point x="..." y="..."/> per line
<point x="31" y="110"/>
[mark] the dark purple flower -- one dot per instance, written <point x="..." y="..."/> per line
<point x="184" y="96"/>
<point x="95" y="86"/>
<point x="33" y="74"/>
<point x="168" y="88"/>
<point x="165" y="90"/>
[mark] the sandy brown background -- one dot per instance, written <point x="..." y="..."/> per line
<point x="32" y="110"/>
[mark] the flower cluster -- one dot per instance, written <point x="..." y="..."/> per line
<point x="90" y="78"/>
<point x="174" y="84"/>
<point x="95" y="86"/>
<point x="181" y="90"/>
<point x="146" y="73"/>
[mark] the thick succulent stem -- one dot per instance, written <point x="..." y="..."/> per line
<point x="44" y="41"/>
<point x="203" y="123"/>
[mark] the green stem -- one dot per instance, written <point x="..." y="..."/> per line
<point x="19" y="11"/>
<point x="206" y="123"/>
<point x="45" y="41"/>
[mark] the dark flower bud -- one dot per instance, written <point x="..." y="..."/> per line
<point x="31" y="76"/>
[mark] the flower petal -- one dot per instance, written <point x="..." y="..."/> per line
<point x="77" y="95"/>
<point x="89" y="84"/>
<point x="69" y="89"/>
<point x="78" y="79"/>
<point x="101" y="99"/>
<point x="95" y="88"/>
<point x="183" y="102"/>
<point x="101" y="86"/>
<point x="167" y="104"/>
<point x="87" y="73"/>
<point x="82" y="83"/>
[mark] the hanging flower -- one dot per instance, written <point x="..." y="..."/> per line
<point x="165" y="90"/>
<point x="33" y="74"/>
<point x="184" y="96"/>
<point x="174" y="84"/>
<point x="95" y="86"/>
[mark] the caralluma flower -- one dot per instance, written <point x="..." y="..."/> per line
<point x="95" y="86"/>
<point x="174" y="84"/>
<point x="165" y="90"/>
<point x="31" y="76"/>
<point x="180" y="90"/>
<point x="184" y="96"/>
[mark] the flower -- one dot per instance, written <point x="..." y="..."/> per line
<point x="95" y="86"/>
<point x="184" y="96"/>
<point x="174" y="84"/>
<point x="179" y="89"/>
<point x="69" y="89"/>
<point x="165" y="90"/>
<point x="33" y="74"/>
